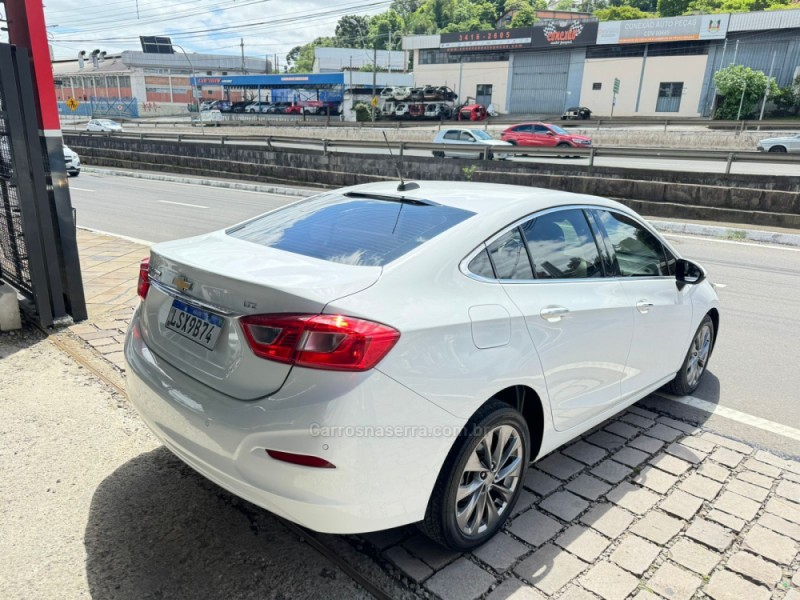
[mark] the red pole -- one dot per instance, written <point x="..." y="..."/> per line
<point x="26" y="28"/>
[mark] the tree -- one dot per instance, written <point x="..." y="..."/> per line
<point x="381" y="27"/>
<point x="524" y="17"/>
<point x="672" y="8"/>
<point x="740" y="85"/>
<point x="405" y="7"/>
<point x="733" y="6"/>
<point x="787" y="100"/>
<point x="563" y="5"/>
<point x="621" y="13"/>
<point x="300" y="59"/>
<point x="352" y="30"/>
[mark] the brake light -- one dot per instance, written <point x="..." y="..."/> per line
<point x="305" y="460"/>
<point x="332" y="342"/>
<point x="144" y="278"/>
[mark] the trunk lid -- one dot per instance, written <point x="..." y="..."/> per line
<point x="227" y="277"/>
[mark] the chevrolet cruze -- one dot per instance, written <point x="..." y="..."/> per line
<point x="382" y="355"/>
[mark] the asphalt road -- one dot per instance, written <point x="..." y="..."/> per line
<point x="754" y="369"/>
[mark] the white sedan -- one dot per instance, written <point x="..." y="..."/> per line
<point x="383" y="355"/>
<point x="103" y="125"/>
<point x="789" y="143"/>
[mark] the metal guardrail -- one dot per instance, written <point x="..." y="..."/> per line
<point x="325" y="145"/>
<point x="270" y="120"/>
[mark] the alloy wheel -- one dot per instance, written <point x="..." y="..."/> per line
<point x="698" y="355"/>
<point x="489" y="480"/>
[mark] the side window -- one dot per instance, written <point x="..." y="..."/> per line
<point x="466" y="136"/>
<point x="451" y="135"/>
<point x="540" y="129"/>
<point x="509" y="256"/>
<point x="639" y="253"/>
<point x="481" y="265"/>
<point x="562" y="246"/>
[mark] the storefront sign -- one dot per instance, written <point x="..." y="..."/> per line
<point x="499" y="39"/>
<point x="557" y="34"/>
<point x="673" y="29"/>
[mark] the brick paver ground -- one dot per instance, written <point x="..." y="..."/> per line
<point x="643" y="507"/>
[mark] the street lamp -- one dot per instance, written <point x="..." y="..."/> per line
<point x="195" y="100"/>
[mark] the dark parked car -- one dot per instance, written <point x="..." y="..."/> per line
<point x="238" y="107"/>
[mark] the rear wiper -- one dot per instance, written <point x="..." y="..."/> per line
<point x="401" y="199"/>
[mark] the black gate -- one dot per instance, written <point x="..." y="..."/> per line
<point x="38" y="250"/>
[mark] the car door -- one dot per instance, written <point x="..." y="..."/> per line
<point x="794" y="144"/>
<point x="580" y="321"/>
<point x="451" y="138"/>
<point x="521" y="135"/>
<point x="471" y="147"/>
<point x="544" y="137"/>
<point x="662" y="316"/>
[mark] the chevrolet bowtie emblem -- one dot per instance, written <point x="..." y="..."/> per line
<point x="182" y="283"/>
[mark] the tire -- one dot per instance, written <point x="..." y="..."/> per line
<point x="778" y="149"/>
<point x="688" y="378"/>
<point x="74" y="173"/>
<point x="438" y="154"/>
<point x="563" y="145"/>
<point x="442" y="522"/>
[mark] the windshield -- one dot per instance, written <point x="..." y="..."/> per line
<point x="481" y="135"/>
<point x="353" y="231"/>
<point x="106" y="122"/>
<point x="559" y="130"/>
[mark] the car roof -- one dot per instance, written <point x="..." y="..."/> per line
<point x="496" y="199"/>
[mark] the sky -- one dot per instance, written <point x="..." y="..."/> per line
<point x="215" y="26"/>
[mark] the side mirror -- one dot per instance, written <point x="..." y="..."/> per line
<point x="688" y="273"/>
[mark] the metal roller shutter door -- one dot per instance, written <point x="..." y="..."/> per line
<point x="539" y="82"/>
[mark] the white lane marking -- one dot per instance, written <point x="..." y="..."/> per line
<point x="735" y="415"/>
<point x="700" y="238"/>
<point x="117" y="235"/>
<point x="182" y="204"/>
<point x="72" y="187"/>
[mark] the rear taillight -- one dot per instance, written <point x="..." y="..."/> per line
<point x="320" y="341"/>
<point x="144" y="278"/>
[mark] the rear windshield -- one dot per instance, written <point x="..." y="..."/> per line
<point x="353" y="231"/>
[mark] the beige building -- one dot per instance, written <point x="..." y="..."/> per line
<point x="664" y="67"/>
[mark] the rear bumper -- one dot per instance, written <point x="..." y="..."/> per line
<point x="387" y="443"/>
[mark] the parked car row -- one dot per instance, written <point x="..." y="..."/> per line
<point x="428" y="93"/>
<point x="308" y="107"/>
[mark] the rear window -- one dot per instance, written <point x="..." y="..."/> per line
<point x="352" y="231"/>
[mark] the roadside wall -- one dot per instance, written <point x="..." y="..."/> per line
<point x="778" y="198"/>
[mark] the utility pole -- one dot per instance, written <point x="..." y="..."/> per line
<point x="735" y="52"/>
<point x="714" y="89"/>
<point x="460" y="73"/>
<point x="741" y="102"/>
<point x="766" y="89"/>
<point x="374" y="78"/>
<point x="241" y="43"/>
<point x="389" y="47"/>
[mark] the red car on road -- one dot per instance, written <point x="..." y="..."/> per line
<point x="544" y="135"/>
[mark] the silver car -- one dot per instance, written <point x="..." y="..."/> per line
<point x="106" y="125"/>
<point x="72" y="162"/>
<point x="790" y="143"/>
<point x="469" y="143"/>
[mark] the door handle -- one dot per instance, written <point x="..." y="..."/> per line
<point x="643" y="306"/>
<point x="553" y="314"/>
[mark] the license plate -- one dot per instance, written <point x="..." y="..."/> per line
<point x="194" y="323"/>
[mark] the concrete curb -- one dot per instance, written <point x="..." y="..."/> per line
<point x="726" y="233"/>
<point x="233" y="185"/>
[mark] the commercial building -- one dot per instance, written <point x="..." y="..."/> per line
<point x="646" y="67"/>
<point x="149" y="78"/>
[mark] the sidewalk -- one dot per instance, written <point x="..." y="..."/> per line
<point x="644" y="506"/>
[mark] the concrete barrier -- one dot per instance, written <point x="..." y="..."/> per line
<point x="703" y="192"/>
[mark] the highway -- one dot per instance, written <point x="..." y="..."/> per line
<point x="754" y="368"/>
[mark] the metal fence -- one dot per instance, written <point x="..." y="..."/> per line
<point x="14" y="266"/>
<point x="38" y="249"/>
<point x="118" y="108"/>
